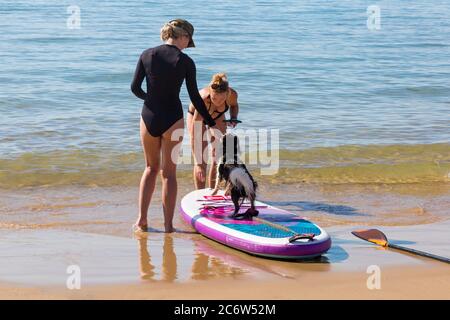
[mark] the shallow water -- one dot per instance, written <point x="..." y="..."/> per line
<point x="113" y="210"/>
<point x="329" y="82"/>
<point x="363" y="120"/>
<point x="331" y="165"/>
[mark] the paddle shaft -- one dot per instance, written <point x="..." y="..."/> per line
<point x="420" y="253"/>
<point x="275" y="225"/>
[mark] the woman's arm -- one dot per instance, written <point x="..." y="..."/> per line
<point x="136" y="84"/>
<point x="197" y="101"/>
<point x="196" y="137"/>
<point x="233" y="102"/>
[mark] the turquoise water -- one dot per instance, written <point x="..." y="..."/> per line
<point x="311" y="69"/>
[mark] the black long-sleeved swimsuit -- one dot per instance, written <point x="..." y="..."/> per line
<point x="165" y="67"/>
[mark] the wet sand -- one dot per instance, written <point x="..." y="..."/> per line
<point x="397" y="283"/>
<point x="44" y="231"/>
<point x="34" y="264"/>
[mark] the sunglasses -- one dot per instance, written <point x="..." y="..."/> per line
<point x="219" y="87"/>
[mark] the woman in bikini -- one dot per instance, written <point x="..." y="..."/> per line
<point x="219" y="98"/>
<point x="164" y="67"/>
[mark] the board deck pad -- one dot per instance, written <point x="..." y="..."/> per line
<point x="256" y="227"/>
<point x="210" y="215"/>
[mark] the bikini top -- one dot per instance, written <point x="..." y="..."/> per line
<point x="219" y="113"/>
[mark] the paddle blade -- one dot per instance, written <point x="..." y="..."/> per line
<point x="372" y="235"/>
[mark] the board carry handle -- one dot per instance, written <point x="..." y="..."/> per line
<point x="309" y="236"/>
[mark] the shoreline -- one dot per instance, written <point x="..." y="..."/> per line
<point x="341" y="109"/>
<point x="112" y="210"/>
<point x="45" y="230"/>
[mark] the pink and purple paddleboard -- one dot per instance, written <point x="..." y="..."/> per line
<point x="266" y="236"/>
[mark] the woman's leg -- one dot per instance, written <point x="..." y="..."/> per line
<point x="196" y="131"/>
<point x="152" y="152"/>
<point x="170" y="151"/>
<point x="215" y="134"/>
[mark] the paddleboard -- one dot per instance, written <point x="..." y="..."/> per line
<point x="265" y="236"/>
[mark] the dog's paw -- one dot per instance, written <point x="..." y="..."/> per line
<point x="252" y="212"/>
<point x="240" y="216"/>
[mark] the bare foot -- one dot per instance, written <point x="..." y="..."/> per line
<point x="170" y="230"/>
<point x="140" y="225"/>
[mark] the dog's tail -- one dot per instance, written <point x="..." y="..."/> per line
<point x="240" y="178"/>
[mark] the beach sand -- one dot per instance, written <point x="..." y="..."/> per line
<point x="43" y="231"/>
<point x="397" y="283"/>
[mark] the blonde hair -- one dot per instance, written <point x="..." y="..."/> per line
<point x="219" y="79"/>
<point x="170" y="31"/>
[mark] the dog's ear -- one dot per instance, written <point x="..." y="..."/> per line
<point x="230" y="142"/>
<point x="236" y="149"/>
<point x="224" y="148"/>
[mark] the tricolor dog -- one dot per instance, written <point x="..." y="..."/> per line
<point x="239" y="183"/>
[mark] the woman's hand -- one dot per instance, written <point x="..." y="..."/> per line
<point x="199" y="174"/>
<point x="233" y="122"/>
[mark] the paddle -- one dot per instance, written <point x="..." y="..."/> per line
<point x="295" y="235"/>
<point x="379" y="238"/>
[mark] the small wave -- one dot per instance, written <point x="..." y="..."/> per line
<point x="342" y="164"/>
<point x="52" y="207"/>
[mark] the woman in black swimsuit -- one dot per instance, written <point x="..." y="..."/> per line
<point x="165" y="67"/>
<point x="219" y="97"/>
